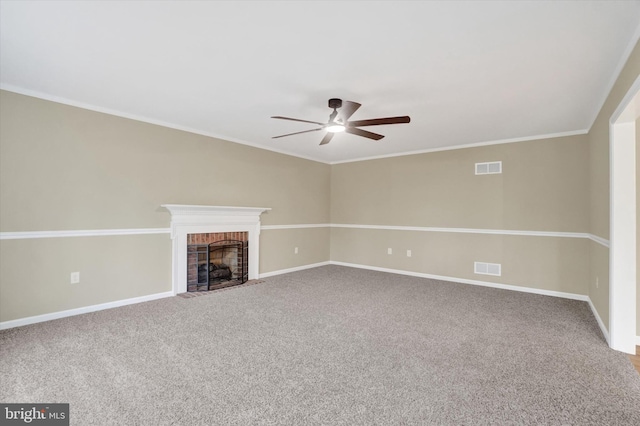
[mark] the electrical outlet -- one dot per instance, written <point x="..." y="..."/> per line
<point x="408" y="253"/>
<point x="295" y="250"/>
<point x="75" y="277"/>
<point x="389" y="250"/>
<point x="597" y="282"/>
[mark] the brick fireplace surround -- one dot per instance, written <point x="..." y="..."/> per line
<point x="190" y="219"/>
<point x="199" y="250"/>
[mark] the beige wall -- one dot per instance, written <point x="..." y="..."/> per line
<point x="545" y="263"/>
<point x="34" y="278"/>
<point x="543" y="187"/>
<point x="66" y="168"/>
<point x="637" y="226"/>
<point x="599" y="205"/>
<point x="278" y="246"/>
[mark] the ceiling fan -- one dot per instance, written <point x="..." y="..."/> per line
<point x="339" y="122"/>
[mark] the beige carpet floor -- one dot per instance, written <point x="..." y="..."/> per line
<point x="331" y="346"/>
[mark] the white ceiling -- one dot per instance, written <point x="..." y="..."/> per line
<point x="466" y="72"/>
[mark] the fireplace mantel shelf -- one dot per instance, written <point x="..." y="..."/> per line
<point x="186" y="209"/>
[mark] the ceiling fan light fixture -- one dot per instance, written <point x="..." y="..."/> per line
<point x="342" y="124"/>
<point x="335" y="128"/>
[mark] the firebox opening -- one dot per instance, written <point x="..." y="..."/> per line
<point x="216" y="264"/>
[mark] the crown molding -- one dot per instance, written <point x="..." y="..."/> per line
<point x="117" y="113"/>
<point x="616" y="74"/>
<point x="90" y="107"/>
<point x="471" y="145"/>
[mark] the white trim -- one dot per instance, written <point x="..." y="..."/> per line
<point x="94" y="308"/>
<point x="603" y="329"/>
<point x="81" y="233"/>
<point x="143" y="231"/>
<point x="79" y="311"/>
<point x="616" y="74"/>
<point x="622" y="208"/>
<point x="598" y="240"/>
<point x="301" y="226"/>
<point x="637" y="340"/>
<point x="561" y="294"/>
<point x="470" y="145"/>
<point x="294" y="269"/>
<point x="619" y="115"/>
<point x="465" y="230"/>
<point x="65" y="101"/>
<point x="199" y="210"/>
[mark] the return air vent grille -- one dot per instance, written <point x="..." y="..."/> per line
<point x="487" y="268"/>
<point x="492" y="168"/>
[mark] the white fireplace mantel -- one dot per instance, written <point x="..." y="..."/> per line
<point x="188" y="219"/>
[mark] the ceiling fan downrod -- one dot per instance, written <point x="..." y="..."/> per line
<point x="334" y="103"/>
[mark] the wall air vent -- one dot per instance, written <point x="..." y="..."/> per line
<point x="492" y="168"/>
<point x="487" y="268"/>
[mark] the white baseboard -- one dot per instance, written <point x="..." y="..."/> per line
<point x="637" y="340"/>
<point x="297" y="268"/>
<point x="563" y="295"/>
<point x="604" y="330"/>
<point x="71" y="312"/>
<point x="86" y="309"/>
<point x="78" y="311"/>
<point x="572" y="296"/>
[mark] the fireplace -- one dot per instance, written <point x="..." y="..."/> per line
<point x="217" y="260"/>
<point x="188" y="220"/>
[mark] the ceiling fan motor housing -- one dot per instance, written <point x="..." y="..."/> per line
<point x="335" y="103"/>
